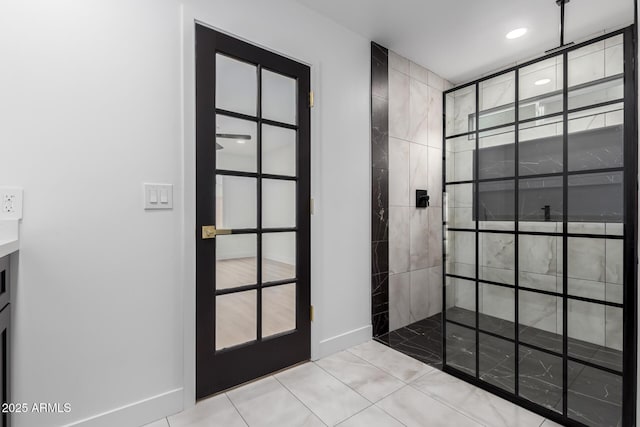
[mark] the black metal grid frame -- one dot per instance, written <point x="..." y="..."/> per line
<point x="630" y="233"/>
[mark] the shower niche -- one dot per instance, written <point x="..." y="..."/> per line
<point x="539" y="226"/>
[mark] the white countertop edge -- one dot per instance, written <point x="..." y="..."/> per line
<point x="9" y="238"/>
<point x="9" y="247"/>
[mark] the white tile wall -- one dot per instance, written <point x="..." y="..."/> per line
<point x="460" y="104"/>
<point x="415" y="162"/>
<point x="398" y="172"/>
<point x="398" y="104"/>
<point x="399" y="233"/>
<point x="418" y="112"/>
<point x="399" y="300"/>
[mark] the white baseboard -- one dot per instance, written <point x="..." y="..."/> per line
<point x="138" y="413"/>
<point x="344" y="341"/>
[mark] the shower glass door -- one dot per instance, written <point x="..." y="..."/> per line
<point x="540" y="220"/>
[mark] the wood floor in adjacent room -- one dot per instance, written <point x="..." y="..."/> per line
<point x="236" y="313"/>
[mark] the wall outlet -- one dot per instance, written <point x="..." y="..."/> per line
<point x="10" y="203"/>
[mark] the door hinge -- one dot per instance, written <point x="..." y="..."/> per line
<point x="312" y="206"/>
<point x="311" y="99"/>
<point x="311" y="313"/>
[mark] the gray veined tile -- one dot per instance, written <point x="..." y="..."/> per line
<point x="398" y="104"/>
<point x="476" y="403"/>
<point x="586" y="259"/>
<point x="398" y="172"/>
<point x="418" y="112"/>
<point x="434" y="293"/>
<point x="437" y="82"/>
<point x="434" y="243"/>
<point x="399" y="238"/>
<point x="391" y="361"/>
<point x="398" y="62"/>
<point x="614" y="254"/>
<point x="613" y="328"/>
<point x="371" y="417"/>
<point x="268" y="403"/>
<point x="399" y="300"/>
<point x="418" y="72"/>
<point x="434" y="176"/>
<point x="419" y="299"/>
<point x="413" y="408"/>
<point x="435" y="118"/>
<point x="217" y="411"/>
<point x="371" y="382"/>
<point x="418" y="170"/>
<point x="586" y="321"/>
<point x="418" y="239"/>
<point x="327" y="397"/>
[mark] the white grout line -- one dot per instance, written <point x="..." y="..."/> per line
<point x="369" y="407"/>
<point x="299" y="400"/>
<point x="342" y="382"/>
<point x="236" y="408"/>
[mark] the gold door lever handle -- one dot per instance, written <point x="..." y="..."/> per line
<point x="210" y="232"/>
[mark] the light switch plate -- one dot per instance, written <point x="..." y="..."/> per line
<point x="158" y="196"/>
<point x="10" y="203"/>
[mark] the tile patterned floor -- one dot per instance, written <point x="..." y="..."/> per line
<point x="369" y="385"/>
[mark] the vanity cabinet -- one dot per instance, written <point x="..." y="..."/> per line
<point x="5" y="342"/>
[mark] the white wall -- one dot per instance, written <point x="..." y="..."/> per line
<point x="92" y="107"/>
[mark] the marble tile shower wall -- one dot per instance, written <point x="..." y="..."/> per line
<point x="595" y="270"/>
<point x="415" y="163"/>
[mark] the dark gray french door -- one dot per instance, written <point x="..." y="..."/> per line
<point x="252" y="212"/>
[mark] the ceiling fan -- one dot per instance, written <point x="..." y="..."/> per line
<point x="236" y="136"/>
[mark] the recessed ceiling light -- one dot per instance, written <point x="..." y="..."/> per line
<point x="518" y="32"/>
<point x="241" y="141"/>
<point x="542" y="82"/>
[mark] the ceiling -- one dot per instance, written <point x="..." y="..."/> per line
<point x="463" y="39"/>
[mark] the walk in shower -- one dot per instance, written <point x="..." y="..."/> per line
<point x="540" y="216"/>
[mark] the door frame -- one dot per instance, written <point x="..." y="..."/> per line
<point x="190" y="16"/>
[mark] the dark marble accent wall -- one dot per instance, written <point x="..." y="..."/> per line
<point x="379" y="189"/>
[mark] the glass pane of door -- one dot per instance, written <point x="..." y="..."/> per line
<point x="278" y="256"/>
<point x="279" y="97"/>
<point x="236" y="144"/>
<point x="236" y="85"/>
<point x="255" y="192"/>
<point x="236" y="262"/>
<point x="278" y="309"/>
<point x="235" y="319"/>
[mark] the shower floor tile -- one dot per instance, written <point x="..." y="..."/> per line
<point x="421" y="340"/>
<point x="594" y="396"/>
